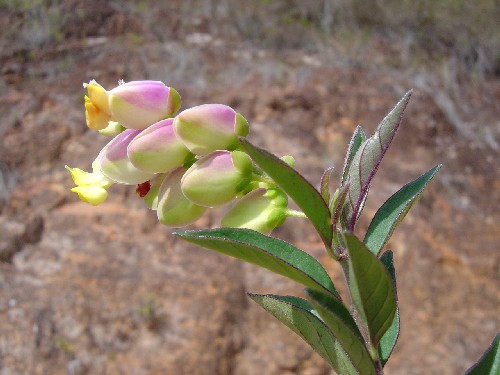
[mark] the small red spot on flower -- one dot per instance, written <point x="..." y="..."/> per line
<point x="143" y="189"/>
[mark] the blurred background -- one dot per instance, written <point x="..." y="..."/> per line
<point x="106" y="290"/>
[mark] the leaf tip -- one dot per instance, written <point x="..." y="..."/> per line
<point x="405" y="99"/>
<point x="183" y="233"/>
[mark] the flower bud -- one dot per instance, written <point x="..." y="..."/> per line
<point x="114" y="162"/>
<point x="151" y="198"/>
<point x="217" y="178"/>
<point x="173" y="208"/>
<point x="138" y="104"/>
<point x="261" y="210"/>
<point x="97" y="113"/>
<point x="157" y="149"/>
<point x="209" y="127"/>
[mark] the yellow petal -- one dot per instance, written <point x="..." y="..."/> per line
<point x="96" y="119"/>
<point x="83" y="178"/>
<point x="94" y="195"/>
<point x="98" y="96"/>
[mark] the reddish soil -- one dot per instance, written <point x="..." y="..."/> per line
<point x="106" y="290"/>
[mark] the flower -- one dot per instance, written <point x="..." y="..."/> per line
<point x="115" y="164"/>
<point x="209" y="127"/>
<point x="97" y="112"/>
<point x="157" y="149"/>
<point x="261" y="210"/>
<point x="217" y="178"/>
<point x="91" y="186"/>
<point x="173" y="208"/>
<point x="138" y="104"/>
<point x="94" y="195"/>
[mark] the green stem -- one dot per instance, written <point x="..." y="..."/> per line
<point x="263" y="181"/>
<point x="331" y="254"/>
<point x="295" y="213"/>
<point x="331" y="250"/>
<point x="376" y="360"/>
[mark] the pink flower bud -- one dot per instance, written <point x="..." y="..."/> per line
<point x="261" y="210"/>
<point x="156" y="149"/>
<point x="210" y="127"/>
<point x="173" y="208"/>
<point x="217" y="178"/>
<point x="138" y="104"/>
<point x="114" y="162"/>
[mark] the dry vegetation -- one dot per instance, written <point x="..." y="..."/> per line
<point x="437" y="45"/>
<point x="432" y="30"/>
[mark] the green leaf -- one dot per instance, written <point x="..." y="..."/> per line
<point x="367" y="159"/>
<point x="298" y="315"/>
<point x="336" y="205"/>
<point x="339" y="320"/>
<point x="489" y="363"/>
<point x="390" y="337"/>
<point x="264" y="251"/>
<point x="296" y="186"/>
<point x="325" y="184"/>
<point x="394" y="210"/>
<point x="358" y="137"/>
<point x="371" y="289"/>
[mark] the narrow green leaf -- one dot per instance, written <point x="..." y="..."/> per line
<point x="325" y="184"/>
<point x="296" y="186"/>
<point x="390" y="337"/>
<point x="358" y="137"/>
<point x="489" y="363"/>
<point x="298" y="315"/>
<point x="394" y="210"/>
<point x="371" y="289"/>
<point x="367" y="159"/>
<point x="336" y="205"/>
<point x="264" y="251"/>
<point x="339" y="320"/>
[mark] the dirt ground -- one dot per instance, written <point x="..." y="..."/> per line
<point x="107" y="290"/>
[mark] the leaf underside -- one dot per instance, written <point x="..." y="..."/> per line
<point x="325" y="184"/>
<point x="298" y="315"/>
<point x="390" y="337"/>
<point x="265" y="251"/>
<point x="367" y="159"/>
<point x="339" y="320"/>
<point x="296" y="186"/>
<point x="358" y="137"/>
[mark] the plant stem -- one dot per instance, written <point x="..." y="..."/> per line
<point x="295" y="213"/>
<point x="379" y="368"/>
<point x="263" y="180"/>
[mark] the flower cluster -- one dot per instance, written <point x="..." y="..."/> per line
<point x="182" y="164"/>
